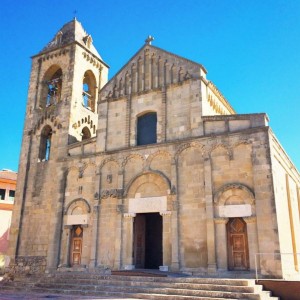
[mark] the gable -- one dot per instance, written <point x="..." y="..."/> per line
<point x="149" y="69"/>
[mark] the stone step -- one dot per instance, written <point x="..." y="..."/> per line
<point x="170" y="290"/>
<point x="150" y="284"/>
<point x="86" y="277"/>
<point x="140" y="287"/>
<point x="124" y="294"/>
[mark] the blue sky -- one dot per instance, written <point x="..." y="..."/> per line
<point x="251" y="50"/>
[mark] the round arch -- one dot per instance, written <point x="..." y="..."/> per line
<point x="89" y="85"/>
<point x="234" y="191"/>
<point x="51" y="86"/>
<point x="151" y="178"/>
<point x="81" y="202"/>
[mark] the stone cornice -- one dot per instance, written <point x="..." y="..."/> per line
<point x="219" y="95"/>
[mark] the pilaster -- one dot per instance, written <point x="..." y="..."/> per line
<point x="167" y="248"/>
<point x="252" y="239"/>
<point x="211" y="245"/>
<point x="127" y="251"/>
<point x="221" y="243"/>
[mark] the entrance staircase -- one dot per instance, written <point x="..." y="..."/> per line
<point x="139" y="287"/>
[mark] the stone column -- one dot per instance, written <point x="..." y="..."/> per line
<point x="167" y="248"/>
<point x="94" y="242"/>
<point x="252" y="240"/>
<point x="95" y="222"/>
<point x="211" y="247"/>
<point x="221" y="243"/>
<point x="174" y="218"/>
<point x="127" y="243"/>
<point x="118" y="240"/>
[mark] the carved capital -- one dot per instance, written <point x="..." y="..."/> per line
<point x="129" y="215"/>
<point x="165" y="213"/>
<point x="221" y="220"/>
<point x="249" y="220"/>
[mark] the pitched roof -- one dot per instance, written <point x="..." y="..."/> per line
<point x="69" y="33"/>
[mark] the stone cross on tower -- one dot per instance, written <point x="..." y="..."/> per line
<point x="149" y="39"/>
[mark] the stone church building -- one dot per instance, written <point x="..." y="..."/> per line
<point x="152" y="169"/>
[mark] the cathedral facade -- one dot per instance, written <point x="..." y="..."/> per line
<point x="152" y="169"/>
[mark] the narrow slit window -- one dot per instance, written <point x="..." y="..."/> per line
<point x="45" y="145"/>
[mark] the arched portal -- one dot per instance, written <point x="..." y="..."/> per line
<point x="147" y="226"/>
<point x="75" y="239"/>
<point x="236" y="232"/>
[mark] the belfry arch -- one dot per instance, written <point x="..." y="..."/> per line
<point x="51" y="87"/>
<point x="89" y="86"/>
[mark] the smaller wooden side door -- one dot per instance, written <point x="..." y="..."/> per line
<point x="76" y="245"/>
<point x="238" y="253"/>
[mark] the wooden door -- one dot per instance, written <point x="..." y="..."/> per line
<point x="238" y="253"/>
<point x="139" y="241"/>
<point x="76" y="245"/>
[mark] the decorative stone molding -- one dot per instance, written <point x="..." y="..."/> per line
<point x="47" y="119"/>
<point x="220" y="97"/>
<point x="129" y="215"/>
<point x="221" y="220"/>
<point x="77" y="201"/>
<point x="54" y="54"/>
<point x="185" y="146"/>
<point x="165" y="213"/>
<point x="215" y="105"/>
<point x="133" y="156"/>
<point x="233" y="186"/>
<point x="113" y="193"/>
<point x="92" y="59"/>
<point x="109" y="159"/>
<point x="250" y="219"/>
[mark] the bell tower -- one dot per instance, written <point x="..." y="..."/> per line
<point x="61" y="110"/>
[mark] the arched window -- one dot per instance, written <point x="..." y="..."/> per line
<point x="146" y="129"/>
<point x="45" y="144"/>
<point x="89" y="90"/>
<point x="52" y="84"/>
<point x="85" y="133"/>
